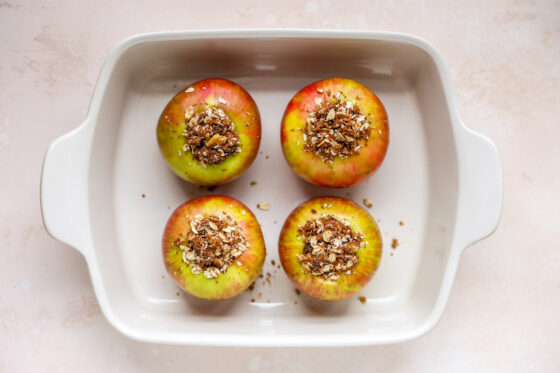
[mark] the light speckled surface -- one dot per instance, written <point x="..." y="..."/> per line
<point x="503" y="310"/>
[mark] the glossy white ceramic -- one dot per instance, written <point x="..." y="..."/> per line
<point x="442" y="180"/>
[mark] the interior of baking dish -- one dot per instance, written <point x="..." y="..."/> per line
<point x="131" y="192"/>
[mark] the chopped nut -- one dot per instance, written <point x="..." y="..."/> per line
<point x="362" y="299"/>
<point x="222" y="101"/>
<point x="215" y="140"/>
<point x="394" y="243"/>
<point x="263" y="206"/>
<point x="367" y="203"/>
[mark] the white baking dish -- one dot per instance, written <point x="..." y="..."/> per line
<point x="441" y="179"/>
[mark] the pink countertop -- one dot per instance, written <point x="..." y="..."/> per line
<point x="504" y="306"/>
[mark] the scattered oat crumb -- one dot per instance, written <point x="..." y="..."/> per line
<point x="278" y="266"/>
<point x="367" y="203"/>
<point x="313" y="211"/>
<point x="362" y="299"/>
<point x="143" y="195"/>
<point x="401" y="223"/>
<point x="162" y="276"/>
<point x="251" y="287"/>
<point x="178" y="294"/>
<point x="295" y="302"/>
<point x="266" y="157"/>
<point x="259" y="295"/>
<point x="273" y="262"/>
<point x="275" y="222"/>
<point x="222" y="101"/>
<point x="394" y="243"/>
<point x="263" y="206"/>
<point x="253" y="300"/>
<point x="261" y="275"/>
<point x="253" y="183"/>
<point x="268" y="301"/>
<point x="391" y="254"/>
<point x="169" y="207"/>
<point x="298" y="292"/>
<point x="189" y="90"/>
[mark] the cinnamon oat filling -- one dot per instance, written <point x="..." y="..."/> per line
<point x="212" y="244"/>
<point x="210" y="135"/>
<point x="336" y="128"/>
<point x="331" y="247"/>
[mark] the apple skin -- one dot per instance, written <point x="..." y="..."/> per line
<point x="369" y="254"/>
<point x="237" y="277"/>
<point x="342" y="172"/>
<point x="241" y="110"/>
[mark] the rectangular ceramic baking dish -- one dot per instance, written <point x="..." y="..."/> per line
<point x="442" y="180"/>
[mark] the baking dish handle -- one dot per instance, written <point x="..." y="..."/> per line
<point x="64" y="189"/>
<point x="480" y="187"/>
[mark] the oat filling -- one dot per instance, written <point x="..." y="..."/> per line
<point x="212" y="244"/>
<point x="335" y="128"/>
<point x="330" y="247"/>
<point x="210" y="135"/>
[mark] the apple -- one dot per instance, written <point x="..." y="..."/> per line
<point x="213" y="247"/>
<point x="210" y="132"/>
<point x="335" y="133"/>
<point x="330" y="248"/>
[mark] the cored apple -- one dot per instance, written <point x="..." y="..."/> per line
<point x="330" y="248"/>
<point x="335" y="133"/>
<point x="213" y="247"/>
<point x="210" y="132"/>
